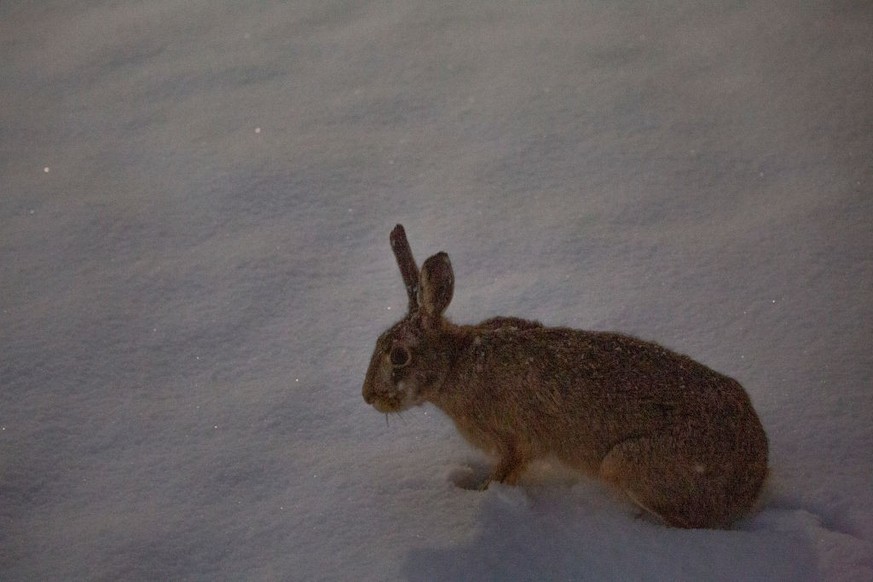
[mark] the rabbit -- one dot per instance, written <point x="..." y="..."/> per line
<point x="680" y="440"/>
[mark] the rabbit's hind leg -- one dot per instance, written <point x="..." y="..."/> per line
<point x="652" y="473"/>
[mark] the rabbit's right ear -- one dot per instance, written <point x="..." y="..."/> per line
<point x="437" y="285"/>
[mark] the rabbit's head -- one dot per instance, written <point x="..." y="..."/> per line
<point x="411" y="358"/>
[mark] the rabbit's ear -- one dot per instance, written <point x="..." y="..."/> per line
<point x="406" y="262"/>
<point x="437" y="285"/>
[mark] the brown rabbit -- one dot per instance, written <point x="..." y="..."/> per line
<point x="681" y="440"/>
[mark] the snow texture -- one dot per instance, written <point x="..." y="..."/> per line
<point x="195" y="201"/>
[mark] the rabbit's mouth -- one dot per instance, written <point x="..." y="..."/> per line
<point x="398" y="401"/>
<point x="389" y="404"/>
<point x="386" y="406"/>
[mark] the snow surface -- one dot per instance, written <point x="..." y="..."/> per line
<point x="195" y="200"/>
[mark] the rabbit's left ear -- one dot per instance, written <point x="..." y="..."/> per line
<point x="437" y="283"/>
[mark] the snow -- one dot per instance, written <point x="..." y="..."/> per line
<point x="194" y="265"/>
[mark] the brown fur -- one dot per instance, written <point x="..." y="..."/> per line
<point x="681" y="440"/>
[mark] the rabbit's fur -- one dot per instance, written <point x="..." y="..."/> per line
<point x="681" y="440"/>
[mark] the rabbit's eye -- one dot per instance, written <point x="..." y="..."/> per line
<point x="400" y="356"/>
